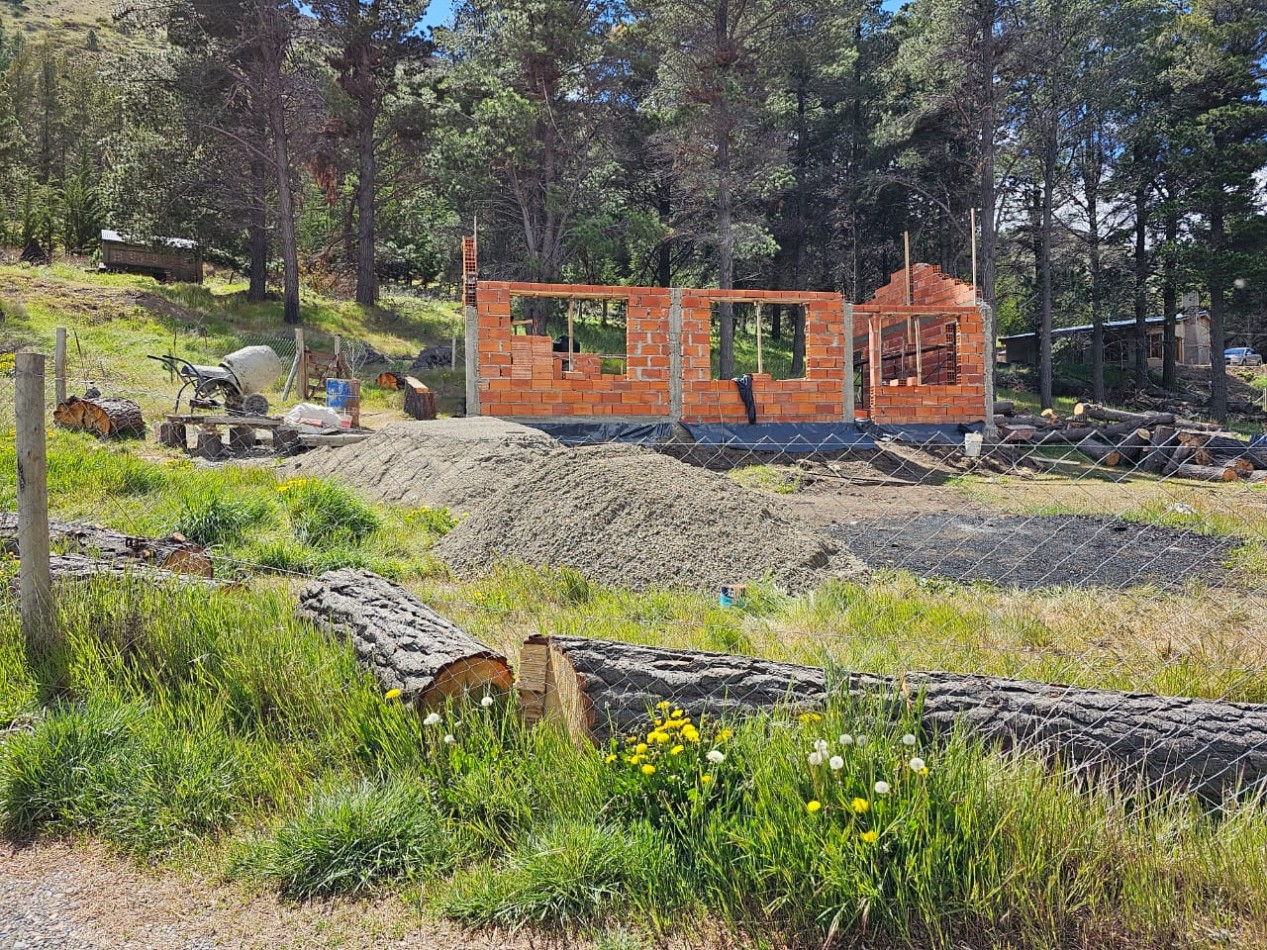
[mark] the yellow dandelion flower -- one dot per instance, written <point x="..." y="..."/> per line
<point x="809" y="717"/>
<point x="724" y="735"/>
<point x="663" y="704"/>
<point x="391" y="694"/>
<point x="813" y="806"/>
<point x="648" y="770"/>
<point x="690" y="734"/>
<point x="923" y="771"/>
<point x="705" y="779"/>
<point x="641" y="747"/>
<point x="659" y="738"/>
<point x="677" y="750"/>
<point x="870" y="837"/>
<point x="860" y="806"/>
<point x="610" y="759"/>
<point x="678" y="714"/>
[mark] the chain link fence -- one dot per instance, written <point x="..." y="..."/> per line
<point x="1094" y="550"/>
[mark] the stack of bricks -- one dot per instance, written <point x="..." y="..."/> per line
<point x="521" y="377"/>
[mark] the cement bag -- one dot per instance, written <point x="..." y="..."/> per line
<point x="308" y="416"/>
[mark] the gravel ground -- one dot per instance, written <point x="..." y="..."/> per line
<point x="633" y="518"/>
<point x="80" y="897"/>
<point x="1033" y="552"/>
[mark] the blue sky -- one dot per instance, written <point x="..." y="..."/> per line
<point x="440" y="10"/>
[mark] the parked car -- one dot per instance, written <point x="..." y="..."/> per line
<point x="1242" y="356"/>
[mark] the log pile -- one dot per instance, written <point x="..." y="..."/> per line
<point x="1159" y="443"/>
<point x="403" y="642"/>
<point x="78" y="568"/>
<point x="102" y="416"/>
<point x="174" y="553"/>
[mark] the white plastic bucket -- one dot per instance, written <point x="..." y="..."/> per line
<point x="972" y="442"/>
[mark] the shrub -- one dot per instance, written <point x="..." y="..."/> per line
<point x="211" y="518"/>
<point x="348" y="839"/>
<point x="123" y="773"/>
<point x="570" y="874"/>
<point x="326" y="514"/>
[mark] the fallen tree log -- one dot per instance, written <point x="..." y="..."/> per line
<point x="1004" y="407"/>
<point x="75" y="568"/>
<point x="1131" y="449"/>
<point x="1201" y="473"/>
<point x="1091" y="410"/>
<point x="403" y="642"/>
<point x="103" y="417"/>
<point x="174" y="553"/>
<point x="597" y="689"/>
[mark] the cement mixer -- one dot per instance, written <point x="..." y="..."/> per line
<point x="239" y="380"/>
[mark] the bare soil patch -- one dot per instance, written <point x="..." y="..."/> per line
<point x="1039" y="551"/>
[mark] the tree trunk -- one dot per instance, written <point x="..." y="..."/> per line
<point x="103" y="417"/>
<point x="80" y="567"/>
<point x="174" y="553"/>
<point x="1141" y="287"/>
<point x="798" y="342"/>
<point x="257" y="290"/>
<point x="1170" y="305"/>
<point x="664" y="253"/>
<point x="597" y="689"/>
<point x="1044" y="270"/>
<point x="274" y="53"/>
<point x="1218" y="371"/>
<point x="989" y="194"/>
<point x="1092" y="184"/>
<point x="725" y="259"/>
<point x="366" y="193"/>
<point x="404" y="643"/>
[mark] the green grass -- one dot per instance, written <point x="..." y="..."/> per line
<point x="184" y="722"/>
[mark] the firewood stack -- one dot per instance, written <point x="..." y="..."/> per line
<point x="1159" y="443"/>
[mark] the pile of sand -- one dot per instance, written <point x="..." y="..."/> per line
<point x="454" y="463"/>
<point x="634" y="518"/>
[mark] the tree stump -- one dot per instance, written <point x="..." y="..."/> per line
<point x="241" y="439"/>
<point x="174" y="435"/>
<point x="210" y="446"/>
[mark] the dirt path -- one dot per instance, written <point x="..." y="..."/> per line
<point x="79" y="897"/>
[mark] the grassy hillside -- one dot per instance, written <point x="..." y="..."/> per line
<point x="70" y="22"/>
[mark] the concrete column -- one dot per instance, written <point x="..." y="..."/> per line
<point x="472" y="361"/>
<point x="675" y="354"/>
<point x="987" y="328"/>
<point x="848" y="413"/>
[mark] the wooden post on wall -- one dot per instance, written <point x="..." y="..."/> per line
<point x="571" y="331"/>
<point x="919" y="349"/>
<point x="875" y="355"/>
<point x="760" y="360"/>
<point x="297" y="366"/>
<point x="973" y="229"/>
<point x="906" y="240"/>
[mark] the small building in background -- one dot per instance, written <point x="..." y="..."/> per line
<point x="1073" y="344"/>
<point x="163" y="258"/>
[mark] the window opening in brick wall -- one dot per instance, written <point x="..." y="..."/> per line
<point x="599" y="326"/>
<point x="778" y="349"/>
<point x="919" y="351"/>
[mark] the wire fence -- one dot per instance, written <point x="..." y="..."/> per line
<point x="1123" y="552"/>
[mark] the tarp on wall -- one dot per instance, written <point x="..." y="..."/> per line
<point x="794" y="438"/>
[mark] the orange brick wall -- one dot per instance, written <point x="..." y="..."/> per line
<point x="520" y="377"/>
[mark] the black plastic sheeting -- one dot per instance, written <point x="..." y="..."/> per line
<point x="773" y="437"/>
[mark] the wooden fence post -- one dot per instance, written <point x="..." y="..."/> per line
<point x="297" y="367"/>
<point x="34" y="580"/>
<point x="59" y="366"/>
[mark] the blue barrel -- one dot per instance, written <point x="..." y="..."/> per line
<point x="338" y="393"/>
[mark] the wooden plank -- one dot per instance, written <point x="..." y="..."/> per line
<point x="342" y="438"/>
<point x="257" y="422"/>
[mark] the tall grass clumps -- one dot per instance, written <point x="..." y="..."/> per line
<point x="349" y="838"/>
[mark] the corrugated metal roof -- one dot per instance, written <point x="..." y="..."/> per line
<point x="114" y="237"/>
<point x="1088" y="327"/>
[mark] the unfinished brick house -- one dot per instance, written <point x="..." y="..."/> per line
<point x="914" y="354"/>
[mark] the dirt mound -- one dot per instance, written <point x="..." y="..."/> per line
<point x="636" y="519"/>
<point x="450" y="462"/>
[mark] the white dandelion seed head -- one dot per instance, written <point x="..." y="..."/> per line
<point x="908" y="739"/>
<point x="882" y="788"/>
<point x="846" y="739"/>
<point x="486" y="702"/>
<point x="820" y="745"/>
<point x="449" y="740"/>
<point x="816" y="758"/>
<point x="836" y="763"/>
<point x="432" y="719"/>
<point x="917" y="764"/>
<point x="861" y="740"/>
<point x="716" y="756"/>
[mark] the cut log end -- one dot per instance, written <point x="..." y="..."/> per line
<point x="476" y="675"/>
